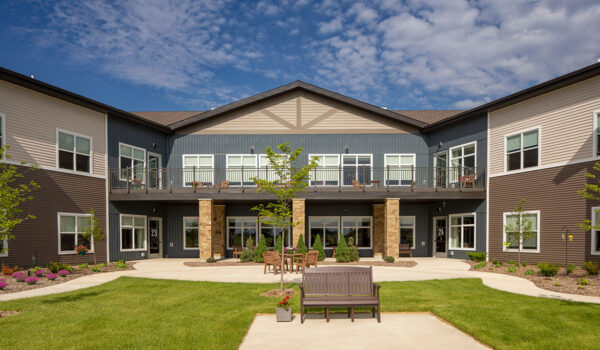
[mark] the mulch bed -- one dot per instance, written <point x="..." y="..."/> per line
<point x="13" y="286"/>
<point x="278" y="293"/>
<point x="567" y="283"/>
<point x="8" y="313"/>
<point x="407" y="263"/>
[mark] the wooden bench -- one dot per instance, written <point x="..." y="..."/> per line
<point x="339" y="286"/>
<point x="405" y="249"/>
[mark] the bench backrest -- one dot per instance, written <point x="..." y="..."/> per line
<point x="312" y="257"/>
<point x="338" y="280"/>
<point x="268" y="256"/>
<point x="405" y="247"/>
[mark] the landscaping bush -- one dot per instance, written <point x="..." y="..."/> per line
<point x="51" y="276"/>
<point x="19" y="276"/>
<point x="120" y="264"/>
<point x="529" y="273"/>
<point x="353" y="250"/>
<point x="342" y="253"/>
<point x="83" y="266"/>
<point x="389" y="259"/>
<point x="591" y="267"/>
<point x="302" y="249"/>
<point x="213" y="260"/>
<point x="547" y="269"/>
<point x="570" y="268"/>
<point x="39" y="273"/>
<point x="496" y="262"/>
<point x="318" y="246"/>
<point x="260" y="249"/>
<point x="37" y="268"/>
<point x="583" y="282"/>
<point x="278" y="244"/>
<point x="512" y="262"/>
<point x="104" y="264"/>
<point x="32" y="280"/>
<point x="524" y="264"/>
<point x="248" y="252"/>
<point x="63" y="273"/>
<point x="581" y="287"/>
<point x="95" y="268"/>
<point x="3" y="284"/>
<point x="480" y="265"/>
<point x="512" y="269"/>
<point x="54" y="267"/>
<point x="8" y="270"/>
<point x="557" y="284"/>
<point x="476" y="256"/>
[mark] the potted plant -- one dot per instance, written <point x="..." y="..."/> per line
<point x="136" y="184"/>
<point x="284" y="310"/>
<point x="81" y="249"/>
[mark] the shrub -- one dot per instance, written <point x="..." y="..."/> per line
<point x="302" y="249"/>
<point x="120" y="264"/>
<point x="581" y="287"/>
<point x="8" y="270"/>
<point x="51" y="276"/>
<point x="512" y="262"/>
<point x="104" y="264"/>
<point x="318" y="246"/>
<point x="583" y="282"/>
<point x="18" y="276"/>
<point x="37" y="268"/>
<point x="496" y="262"/>
<point x="213" y="260"/>
<point x="32" y="280"/>
<point x="524" y="264"/>
<point x="591" y="267"/>
<point x="3" y="284"/>
<point x="557" y="284"/>
<point x="353" y="250"/>
<point x="39" y="273"/>
<point x="63" y="273"/>
<point x="529" y="272"/>
<point x="95" y="268"/>
<point x="480" y="265"/>
<point x="389" y="259"/>
<point x="248" y="252"/>
<point x="570" y="268"/>
<point x="83" y="266"/>
<point x="476" y="256"/>
<point x="512" y="269"/>
<point x="278" y="244"/>
<point x="260" y="250"/>
<point x="54" y="267"/>
<point x="342" y="253"/>
<point x="547" y="269"/>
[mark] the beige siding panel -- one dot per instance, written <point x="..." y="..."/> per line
<point x="566" y="120"/>
<point x="278" y="115"/>
<point x="31" y="122"/>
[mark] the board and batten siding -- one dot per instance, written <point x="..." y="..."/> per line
<point x="566" y="120"/>
<point x="298" y="112"/>
<point x="32" y="119"/>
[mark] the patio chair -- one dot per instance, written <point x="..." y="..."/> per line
<point x="356" y="184"/>
<point x="467" y="179"/>
<point x="268" y="257"/>
<point x="276" y="260"/>
<point x="237" y="250"/>
<point x="224" y="185"/>
<point x="309" y="259"/>
<point x="405" y="249"/>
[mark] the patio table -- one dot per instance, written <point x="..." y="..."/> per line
<point x="290" y="258"/>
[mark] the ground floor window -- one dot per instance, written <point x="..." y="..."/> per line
<point x="271" y="233"/>
<point x="596" y="232"/>
<point x="70" y="231"/>
<point x="529" y="222"/>
<point x="239" y="229"/>
<point x="407" y="230"/>
<point x="133" y="232"/>
<point x="3" y="248"/>
<point x="190" y="232"/>
<point x="327" y="227"/>
<point x="462" y="231"/>
<point x="357" y="228"/>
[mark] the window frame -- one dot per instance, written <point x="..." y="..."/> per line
<point x="596" y="134"/>
<point x="290" y="233"/>
<point x="414" y="229"/>
<point x="75" y="136"/>
<point x="323" y="240"/>
<point x="592" y="238"/>
<point x="4" y="253"/>
<point x="133" y="233"/>
<point x="513" y="250"/>
<point x="77" y="216"/>
<point x="212" y="157"/>
<point x="451" y="167"/>
<point x="539" y="149"/>
<point x="321" y="157"/>
<point x="385" y="165"/>
<point x="3" y="138"/>
<point x="185" y="247"/>
<point x="357" y="217"/>
<point x="462" y="225"/>
<point x="121" y="178"/>
<point x="227" y="175"/>
<point x="356" y="171"/>
<point x="256" y="232"/>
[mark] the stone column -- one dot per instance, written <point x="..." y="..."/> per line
<point x="218" y="231"/>
<point x="392" y="227"/>
<point x="298" y="216"/>
<point x="378" y="229"/>
<point x="205" y="228"/>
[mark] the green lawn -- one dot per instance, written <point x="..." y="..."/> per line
<point x="142" y="313"/>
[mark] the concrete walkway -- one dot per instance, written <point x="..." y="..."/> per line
<point x="426" y="269"/>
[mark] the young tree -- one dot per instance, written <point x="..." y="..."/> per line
<point x="342" y="253"/>
<point x="93" y="231"/>
<point x="283" y="179"/>
<point x="318" y="246"/>
<point x="591" y="192"/>
<point x="13" y="193"/>
<point x="302" y="249"/>
<point x="519" y="229"/>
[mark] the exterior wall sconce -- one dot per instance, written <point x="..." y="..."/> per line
<point x="346" y="211"/>
<point x="154" y="145"/>
<point x="346" y="148"/>
<point x="154" y="211"/>
<point x="252" y="149"/>
<point x="440" y="145"/>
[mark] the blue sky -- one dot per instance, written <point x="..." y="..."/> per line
<point x="194" y="55"/>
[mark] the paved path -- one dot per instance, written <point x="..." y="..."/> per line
<point x="426" y="269"/>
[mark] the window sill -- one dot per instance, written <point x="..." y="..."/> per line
<point x="462" y="249"/>
<point x="522" y="251"/>
<point x="194" y="248"/>
<point x="72" y="252"/>
<point x="133" y="250"/>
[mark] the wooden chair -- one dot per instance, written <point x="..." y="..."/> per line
<point x="276" y="260"/>
<point x="198" y="184"/>
<point x="467" y="179"/>
<point x="356" y="184"/>
<point x="268" y="256"/>
<point x="405" y="249"/>
<point x="224" y="185"/>
<point x="311" y="258"/>
<point x="237" y="250"/>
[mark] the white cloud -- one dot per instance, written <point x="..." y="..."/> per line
<point x="335" y="25"/>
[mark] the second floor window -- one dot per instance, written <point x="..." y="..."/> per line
<point x="132" y="161"/>
<point x="203" y="165"/>
<point x="597" y="133"/>
<point x="241" y="168"/>
<point x="462" y="161"/>
<point x="399" y="169"/>
<point x="522" y="150"/>
<point x="74" y="152"/>
<point x="356" y="167"/>
<point x="327" y="172"/>
<point x="2" y="131"/>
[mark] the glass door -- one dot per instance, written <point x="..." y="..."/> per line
<point x="155" y="241"/>
<point x="440" y="170"/>
<point x="154" y="175"/>
<point x="439" y="236"/>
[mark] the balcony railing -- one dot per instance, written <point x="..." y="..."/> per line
<point x="343" y="178"/>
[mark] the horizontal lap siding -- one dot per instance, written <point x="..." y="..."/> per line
<point x="554" y="192"/>
<point x="59" y="192"/>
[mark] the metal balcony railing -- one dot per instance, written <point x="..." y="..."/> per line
<point x="340" y="178"/>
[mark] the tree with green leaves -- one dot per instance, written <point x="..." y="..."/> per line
<point x="342" y="253"/>
<point x="279" y="245"/>
<point x="302" y="249"/>
<point x="260" y="250"/>
<point x="93" y="231"/>
<point x="13" y="192"/>
<point x="318" y="246"/>
<point x="591" y="192"/>
<point x="518" y="229"/>
<point x="284" y="179"/>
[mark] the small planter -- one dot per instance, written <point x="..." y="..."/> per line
<point x="81" y="253"/>
<point x="284" y="314"/>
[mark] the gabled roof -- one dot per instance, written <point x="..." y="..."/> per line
<point x="428" y="116"/>
<point x="298" y="85"/>
<point x="167" y="117"/>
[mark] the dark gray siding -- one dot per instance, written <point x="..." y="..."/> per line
<point x="423" y="237"/>
<point x="174" y="231"/>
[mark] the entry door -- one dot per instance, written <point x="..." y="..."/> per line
<point x="154" y="165"/>
<point x="155" y="240"/>
<point x="440" y="234"/>
<point x="440" y="170"/>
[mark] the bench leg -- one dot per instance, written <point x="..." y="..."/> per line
<point x="378" y="313"/>
<point x="327" y="314"/>
<point x="352" y="314"/>
<point x="301" y="314"/>
<point x="373" y="311"/>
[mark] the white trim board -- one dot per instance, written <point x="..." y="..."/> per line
<point x="539" y="217"/>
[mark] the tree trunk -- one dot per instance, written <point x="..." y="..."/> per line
<point x="282" y="257"/>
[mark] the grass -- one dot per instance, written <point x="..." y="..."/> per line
<point x="143" y="313"/>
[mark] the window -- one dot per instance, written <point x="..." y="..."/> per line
<point x="462" y="161"/>
<point x="522" y="150"/>
<point x="530" y="244"/>
<point x="407" y="230"/>
<point x="133" y="232"/>
<point x="595" y="232"/>
<point x="271" y="234"/>
<point x="359" y="229"/>
<point x="133" y="161"/>
<point x="462" y="231"/>
<point x="597" y="134"/>
<point x="70" y="232"/>
<point x="239" y="229"/>
<point x="241" y="168"/>
<point x="401" y="169"/>
<point x="356" y="167"/>
<point x="328" y="227"/>
<point x="2" y="131"/>
<point x="190" y="232"/>
<point x="203" y="165"/>
<point x="3" y="247"/>
<point x="74" y="152"/>
<point x="266" y="171"/>
<point x="327" y="173"/>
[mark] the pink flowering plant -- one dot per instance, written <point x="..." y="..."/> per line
<point x="18" y="276"/>
<point x="32" y="280"/>
<point x="3" y="284"/>
<point x="63" y="273"/>
<point x="39" y="273"/>
<point x="51" y="276"/>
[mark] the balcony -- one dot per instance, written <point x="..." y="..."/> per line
<point x="346" y="182"/>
